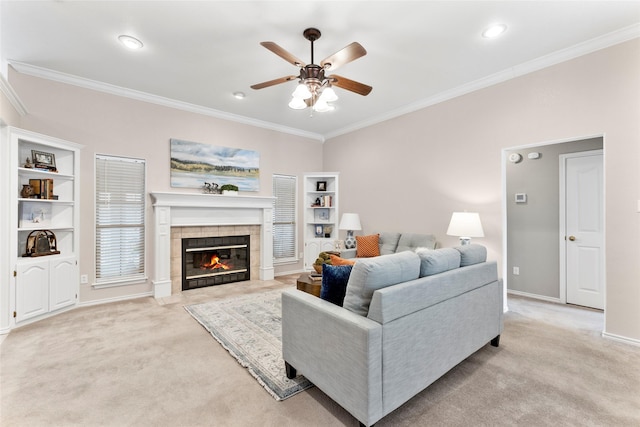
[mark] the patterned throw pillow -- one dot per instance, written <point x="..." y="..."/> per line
<point x="336" y="260"/>
<point x="334" y="283"/>
<point x="367" y="246"/>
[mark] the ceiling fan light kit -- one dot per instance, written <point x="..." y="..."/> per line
<point x="314" y="89"/>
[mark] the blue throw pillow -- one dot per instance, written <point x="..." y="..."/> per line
<point x="334" y="282"/>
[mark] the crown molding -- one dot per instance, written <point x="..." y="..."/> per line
<point x="12" y="96"/>
<point x="71" y="79"/>
<point x="584" y="48"/>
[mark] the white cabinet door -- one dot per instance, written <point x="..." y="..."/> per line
<point x="32" y="290"/>
<point x="63" y="282"/>
<point x="313" y="247"/>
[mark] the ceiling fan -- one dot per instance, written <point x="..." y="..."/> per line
<point x="314" y="88"/>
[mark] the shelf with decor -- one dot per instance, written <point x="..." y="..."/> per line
<point x="44" y="218"/>
<point x="321" y="218"/>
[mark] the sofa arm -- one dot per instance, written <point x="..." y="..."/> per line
<point x="348" y="253"/>
<point x="339" y="351"/>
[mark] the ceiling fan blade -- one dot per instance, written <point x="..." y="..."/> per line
<point x="273" y="47"/>
<point x="348" y="84"/>
<point x="274" y="82"/>
<point x="344" y="56"/>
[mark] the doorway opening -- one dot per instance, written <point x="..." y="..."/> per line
<point x="534" y="229"/>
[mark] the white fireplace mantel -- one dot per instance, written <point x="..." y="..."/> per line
<point x="192" y="209"/>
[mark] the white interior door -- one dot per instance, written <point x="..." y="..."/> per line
<point x="584" y="229"/>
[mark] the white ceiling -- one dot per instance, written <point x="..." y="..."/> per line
<point x="197" y="53"/>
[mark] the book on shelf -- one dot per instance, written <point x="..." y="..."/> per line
<point x="42" y="188"/>
<point x="326" y="201"/>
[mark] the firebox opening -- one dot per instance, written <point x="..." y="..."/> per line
<point x="209" y="261"/>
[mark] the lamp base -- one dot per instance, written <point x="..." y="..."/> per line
<point x="465" y="241"/>
<point x="350" y="241"/>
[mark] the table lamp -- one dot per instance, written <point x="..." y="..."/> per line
<point x="465" y="225"/>
<point x="350" y="222"/>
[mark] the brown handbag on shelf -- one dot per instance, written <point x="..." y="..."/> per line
<point x="40" y="243"/>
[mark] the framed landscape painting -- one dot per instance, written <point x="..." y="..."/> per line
<point x="193" y="164"/>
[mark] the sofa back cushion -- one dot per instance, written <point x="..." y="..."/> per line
<point x="371" y="274"/>
<point x="388" y="243"/>
<point x="411" y="241"/>
<point x="438" y="260"/>
<point x="471" y="254"/>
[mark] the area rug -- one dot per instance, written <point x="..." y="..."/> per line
<point x="249" y="328"/>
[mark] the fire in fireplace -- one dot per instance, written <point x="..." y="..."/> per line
<point x="209" y="261"/>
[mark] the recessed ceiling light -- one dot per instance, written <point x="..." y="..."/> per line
<point x="494" y="31"/>
<point x="130" y="42"/>
<point x="239" y="95"/>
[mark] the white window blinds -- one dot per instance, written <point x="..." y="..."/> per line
<point x="120" y="227"/>
<point x="284" y="218"/>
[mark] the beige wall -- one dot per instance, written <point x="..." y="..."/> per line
<point x="113" y="125"/>
<point x="410" y="173"/>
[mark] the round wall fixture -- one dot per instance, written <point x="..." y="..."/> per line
<point x="515" y="157"/>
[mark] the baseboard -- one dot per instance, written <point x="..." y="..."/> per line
<point x="115" y="299"/>
<point x="286" y="273"/>
<point x="534" y="296"/>
<point x="622" y="339"/>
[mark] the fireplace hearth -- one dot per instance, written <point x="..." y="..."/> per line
<point x="210" y="261"/>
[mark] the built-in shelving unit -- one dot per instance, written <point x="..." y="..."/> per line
<point x="320" y="214"/>
<point x="43" y="284"/>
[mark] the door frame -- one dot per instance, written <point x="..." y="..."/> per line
<point x="563" y="221"/>
<point x="505" y="228"/>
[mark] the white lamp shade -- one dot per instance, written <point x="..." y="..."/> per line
<point x="297" y="104"/>
<point x="465" y="224"/>
<point x="350" y="221"/>
<point x="302" y="92"/>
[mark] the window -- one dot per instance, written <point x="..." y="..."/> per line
<point x="120" y="227"/>
<point x="285" y="234"/>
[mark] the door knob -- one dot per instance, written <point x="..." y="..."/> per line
<point x="572" y="238"/>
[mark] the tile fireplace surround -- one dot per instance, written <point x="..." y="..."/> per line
<point x="178" y="215"/>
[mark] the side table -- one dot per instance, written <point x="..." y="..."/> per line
<point x="305" y="284"/>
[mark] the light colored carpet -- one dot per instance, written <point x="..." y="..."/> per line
<point x="250" y="329"/>
<point x="140" y="363"/>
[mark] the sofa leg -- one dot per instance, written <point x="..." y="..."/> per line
<point x="291" y="371"/>
<point x="496" y="341"/>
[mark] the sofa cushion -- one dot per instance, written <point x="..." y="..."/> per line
<point x="336" y="260"/>
<point x="367" y="246"/>
<point x="371" y="274"/>
<point x="438" y="260"/>
<point x="388" y="243"/>
<point x="334" y="282"/>
<point x="471" y="254"/>
<point x="411" y="241"/>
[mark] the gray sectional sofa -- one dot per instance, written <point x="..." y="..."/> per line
<point x="391" y="243"/>
<point x="407" y="319"/>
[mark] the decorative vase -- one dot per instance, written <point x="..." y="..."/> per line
<point x="229" y="193"/>
<point x="27" y="191"/>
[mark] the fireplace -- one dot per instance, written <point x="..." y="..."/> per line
<point x="210" y="261"/>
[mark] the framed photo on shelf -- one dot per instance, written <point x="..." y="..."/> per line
<point x="321" y="215"/>
<point x="321" y="186"/>
<point x="319" y="230"/>
<point x="43" y="160"/>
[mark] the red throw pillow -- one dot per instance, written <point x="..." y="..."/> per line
<point x="367" y="246"/>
